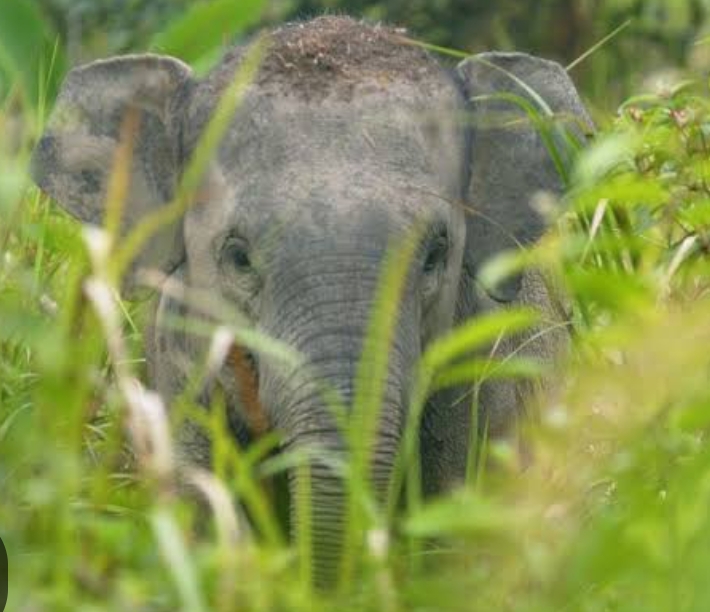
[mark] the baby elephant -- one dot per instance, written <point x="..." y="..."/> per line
<point x="348" y="138"/>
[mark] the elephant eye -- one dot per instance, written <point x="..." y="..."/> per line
<point x="438" y="251"/>
<point x="237" y="254"/>
<point x="240" y="259"/>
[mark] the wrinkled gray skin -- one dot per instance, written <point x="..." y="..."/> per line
<point x="330" y="159"/>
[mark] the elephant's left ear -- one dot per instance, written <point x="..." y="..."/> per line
<point x="75" y="159"/>
<point x="523" y="109"/>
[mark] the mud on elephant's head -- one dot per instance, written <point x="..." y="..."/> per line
<point x="347" y="139"/>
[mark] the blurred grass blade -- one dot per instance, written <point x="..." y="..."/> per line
<point x="594" y="226"/>
<point x="682" y="253"/>
<point x="502" y="266"/>
<point x="476" y="333"/>
<point x="26" y="49"/>
<point x="558" y="140"/>
<point x="177" y="559"/>
<point x="606" y="153"/>
<point x="207" y="26"/>
<point x="461" y="514"/>
<point x="475" y="370"/>
<point x="435" y="48"/>
<point x="229" y="530"/>
<point x="371" y="379"/>
<point x="539" y="101"/>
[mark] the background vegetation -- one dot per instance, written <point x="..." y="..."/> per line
<point x="612" y="514"/>
<point x="659" y="35"/>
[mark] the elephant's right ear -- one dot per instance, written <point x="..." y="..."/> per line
<point x="74" y="159"/>
<point x="510" y="162"/>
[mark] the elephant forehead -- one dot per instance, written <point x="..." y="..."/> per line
<point x="399" y="129"/>
<point x="299" y="167"/>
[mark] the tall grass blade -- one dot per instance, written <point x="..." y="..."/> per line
<point x="177" y="560"/>
<point x="370" y="384"/>
<point x="594" y="48"/>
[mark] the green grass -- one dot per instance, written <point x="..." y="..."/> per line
<point x="612" y="513"/>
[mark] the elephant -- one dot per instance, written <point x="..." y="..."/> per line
<point x="347" y="138"/>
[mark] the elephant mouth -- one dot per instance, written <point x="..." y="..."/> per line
<point x="253" y="422"/>
<point x="243" y="367"/>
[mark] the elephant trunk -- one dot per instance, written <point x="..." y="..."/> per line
<point x="311" y="425"/>
<point x="326" y="324"/>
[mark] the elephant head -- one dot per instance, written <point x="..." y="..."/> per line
<point x="347" y="139"/>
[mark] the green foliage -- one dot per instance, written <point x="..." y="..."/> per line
<point x="106" y="26"/>
<point x="31" y="58"/>
<point x="204" y="26"/>
<point x="661" y="33"/>
<point x="657" y="35"/>
<point x="612" y="513"/>
<point x="642" y="198"/>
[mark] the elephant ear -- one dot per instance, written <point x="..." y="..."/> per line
<point x="74" y="159"/>
<point x="510" y="162"/>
